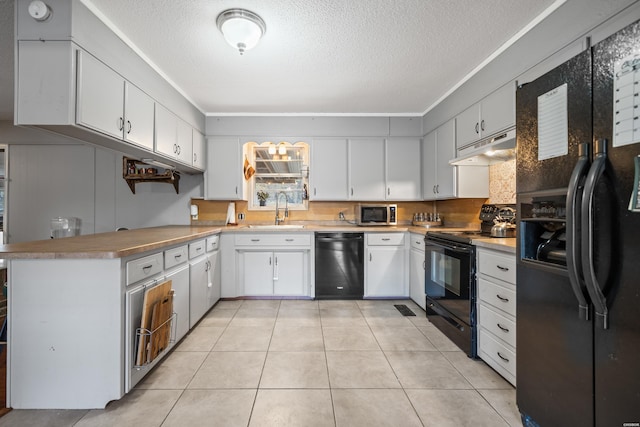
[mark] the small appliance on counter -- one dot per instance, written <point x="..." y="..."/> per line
<point x="376" y="214"/>
<point x="64" y="227"/>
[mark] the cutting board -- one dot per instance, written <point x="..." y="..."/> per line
<point x="161" y="326"/>
<point x="151" y="297"/>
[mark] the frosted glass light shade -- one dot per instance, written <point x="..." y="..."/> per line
<point x="241" y="28"/>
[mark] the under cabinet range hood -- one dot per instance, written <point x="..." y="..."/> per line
<point x="499" y="148"/>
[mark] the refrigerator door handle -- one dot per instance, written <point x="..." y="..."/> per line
<point x="574" y="199"/>
<point x="595" y="172"/>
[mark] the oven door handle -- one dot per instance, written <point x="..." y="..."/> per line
<point x="453" y="247"/>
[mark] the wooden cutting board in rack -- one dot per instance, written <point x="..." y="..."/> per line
<point x="161" y="326"/>
<point x="151" y="297"/>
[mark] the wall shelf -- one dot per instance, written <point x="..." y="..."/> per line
<point x="135" y="171"/>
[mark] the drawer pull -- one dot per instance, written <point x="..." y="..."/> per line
<point x="288" y="240"/>
<point x="502" y="327"/>
<point x="385" y="239"/>
<point x="178" y="256"/>
<point x="501" y="298"/>
<point x="502" y="357"/>
<point x="418" y="242"/>
<point x="255" y="240"/>
<point x="198" y="249"/>
<point x="501" y="268"/>
<point x="146" y="268"/>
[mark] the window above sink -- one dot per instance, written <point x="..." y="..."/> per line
<point x="280" y="167"/>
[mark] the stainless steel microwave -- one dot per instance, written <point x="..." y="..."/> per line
<point x="376" y="214"/>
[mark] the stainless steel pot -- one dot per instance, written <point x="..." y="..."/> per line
<point x="503" y="229"/>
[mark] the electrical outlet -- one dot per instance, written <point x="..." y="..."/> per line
<point x="341" y="216"/>
<point x="241" y="216"/>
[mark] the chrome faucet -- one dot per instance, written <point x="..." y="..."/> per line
<point x="286" y="208"/>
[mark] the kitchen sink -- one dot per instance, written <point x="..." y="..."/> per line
<point x="277" y="227"/>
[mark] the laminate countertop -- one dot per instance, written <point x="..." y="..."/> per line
<point x="120" y="244"/>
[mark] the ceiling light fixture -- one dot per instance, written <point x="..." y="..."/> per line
<point x="241" y="28"/>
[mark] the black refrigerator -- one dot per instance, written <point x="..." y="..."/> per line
<point x="578" y="248"/>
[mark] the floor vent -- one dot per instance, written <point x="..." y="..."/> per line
<point x="404" y="310"/>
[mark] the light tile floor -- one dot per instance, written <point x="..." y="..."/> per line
<point x="306" y="363"/>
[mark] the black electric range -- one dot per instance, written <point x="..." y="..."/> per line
<point x="450" y="278"/>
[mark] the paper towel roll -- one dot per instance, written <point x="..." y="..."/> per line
<point x="231" y="213"/>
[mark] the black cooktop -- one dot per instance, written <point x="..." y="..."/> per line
<point x="488" y="213"/>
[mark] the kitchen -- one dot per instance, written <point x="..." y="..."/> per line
<point x="107" y="215"/>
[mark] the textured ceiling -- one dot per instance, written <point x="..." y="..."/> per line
<point x="378" y="57"/>
<point x="330" y="56"/>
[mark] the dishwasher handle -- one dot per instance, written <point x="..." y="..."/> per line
<point x="339" y="239"/>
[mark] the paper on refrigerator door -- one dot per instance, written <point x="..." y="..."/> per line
<point x="553" y="127"/>
<point x="626" y="97"/>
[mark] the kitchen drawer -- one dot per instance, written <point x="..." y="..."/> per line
<point x="417" y="241"/>
<point x="143" y="268"/>
<point x="498" y="296"/>
<point x="213" y="243"/>
<point x="385" y="239"/>
<point x="196" y="248"/>
<point x="266" y="239"/>
<point x="175" y="256"/>
<point x="495" y="264"/>
<point x="498" y="353"/>
<point x="502" y="327"/>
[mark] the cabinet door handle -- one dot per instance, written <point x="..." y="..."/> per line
<point x="482" y="125"/>
<point x="502" y="357"/>
<point x="434" y="189"/>
<point x="501" y="268"/>
<point x="370" y="258"/>
<point x="438" y="188"/>
<point x="195" y="157"/>
<point x="236" y="189"/>
<point x="352" y="191"/>
<point x="175" y="148"/>
<point x="314" y="191"/>
<point x="388" y="191"/>
<point x="275" y="269"/>
<point x="501" y="298"/>
<point x="269" y="260"/>
<point x="502" y="328"/>
<point x="178" y="153"/>
<point x="128" y="127"/>
<point x="120" y="123"/>
<point x="477" y="125"/>
<point x="424" y="265"/>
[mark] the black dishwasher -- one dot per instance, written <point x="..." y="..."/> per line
<point x="339" y="265"/>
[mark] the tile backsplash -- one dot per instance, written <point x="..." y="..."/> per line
<point x="502" y="182"/>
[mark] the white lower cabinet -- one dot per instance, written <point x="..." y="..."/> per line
<point x="180" y="284"/>
<point x="416" y="270"/>
<point x="273" y="264"/>
<point x="385" y="265"/>
<point x="198" y="282"/>
<point x="497" y="311"/>
<point x="273" y="273"/>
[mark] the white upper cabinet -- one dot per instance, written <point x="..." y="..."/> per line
<point x="199" y="150"/>
<point x="329" y="169"/>
<point x="223" y="178"/>
<point x="439" y="177"/>
<point x="173" y="137"/>
<point x="366" y="169"/>
<point x="494" y="113"/>
<point x="443" y="181"/>
<point x="109" y="104"/>
<point x="403" y="169"/>
<point x="139" y="113"/>
<point x="100" y="96"/>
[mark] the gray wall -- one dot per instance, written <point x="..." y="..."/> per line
<point x="50" y="175"/>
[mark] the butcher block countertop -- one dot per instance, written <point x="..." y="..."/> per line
<point x="115" y="244"/>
